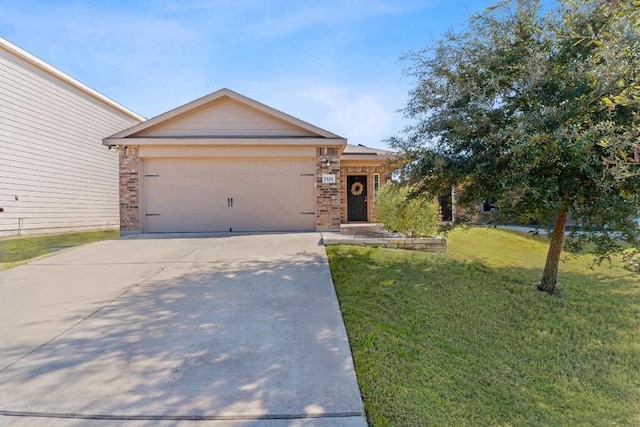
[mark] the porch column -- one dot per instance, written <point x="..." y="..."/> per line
<point x="129" y="190"/>
<point x="328" y="182"/>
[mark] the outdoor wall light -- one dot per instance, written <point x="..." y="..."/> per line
<point x="328" y="162"/>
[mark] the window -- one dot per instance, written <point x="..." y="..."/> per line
<point x="376" y="183"/>
<point x="489" y="205"/>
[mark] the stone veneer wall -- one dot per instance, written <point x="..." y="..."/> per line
<point x="425" y="244"/>
<point x="129" y="189"/>
<point x="328" y="204"/>
<point x="385" y="174"/>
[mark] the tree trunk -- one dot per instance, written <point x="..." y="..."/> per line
<point x="550" y="275"/>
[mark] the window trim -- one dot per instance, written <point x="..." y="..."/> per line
<point x="376" y="183"/>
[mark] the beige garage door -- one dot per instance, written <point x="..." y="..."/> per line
<point x="200" y="195"/>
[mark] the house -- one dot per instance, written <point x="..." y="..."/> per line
<point x="226" y="162"/>
<point x="55" y="174"/>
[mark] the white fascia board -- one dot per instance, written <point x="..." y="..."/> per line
<point x="226" y="141"/>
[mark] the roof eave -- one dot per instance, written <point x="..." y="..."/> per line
<point x="220" y="141"/>
<point x="213" y="97"/>
<point x="368" y="157"/>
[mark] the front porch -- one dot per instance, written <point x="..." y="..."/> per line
<point x="363" y="172"/>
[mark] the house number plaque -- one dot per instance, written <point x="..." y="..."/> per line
<point x="328" y="179"/>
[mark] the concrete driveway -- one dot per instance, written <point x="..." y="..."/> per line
<point x="237" y="330"/>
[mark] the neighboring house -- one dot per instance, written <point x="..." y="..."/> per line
<point x="225" y="162"/>
<point x="55" y="175"/>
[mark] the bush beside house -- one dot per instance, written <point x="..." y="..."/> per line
<point x="401" y="211"/>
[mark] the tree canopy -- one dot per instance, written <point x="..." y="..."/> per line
<point x="539" y="111"/>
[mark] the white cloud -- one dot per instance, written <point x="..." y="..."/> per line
<point x="361" y="115"/>
<point x="295" y="16"/>
<point x="157" y="55"/>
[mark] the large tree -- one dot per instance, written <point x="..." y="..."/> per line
<point x="538" y="111"/>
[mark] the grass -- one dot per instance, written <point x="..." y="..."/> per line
<point x="17" y="250"/>
<point x="464" y="339"/>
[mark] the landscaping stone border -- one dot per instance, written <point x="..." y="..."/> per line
<point x="426" y="244"/>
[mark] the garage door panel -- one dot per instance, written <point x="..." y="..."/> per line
<point x="176" y="192"/>
<point x="199" y="195"/>
<point x="171" y="204"/>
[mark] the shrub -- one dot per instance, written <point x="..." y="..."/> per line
<point x="412" y="215"/>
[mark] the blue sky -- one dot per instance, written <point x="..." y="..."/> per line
<point x="333" y="63"/>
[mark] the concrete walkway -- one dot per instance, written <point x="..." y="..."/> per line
<point x="237" y="330"/>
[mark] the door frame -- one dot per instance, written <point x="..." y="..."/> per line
<point x="365" y="183"/>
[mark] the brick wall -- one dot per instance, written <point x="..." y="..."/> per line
<point x="328" y="195"/>
<point x="129" y="190"/>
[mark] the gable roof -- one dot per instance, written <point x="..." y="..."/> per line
<point x="359" y="149"/>
<point x="34" y="61"/>
<point x="354" y="154"/>
<point x="211" y="98"/>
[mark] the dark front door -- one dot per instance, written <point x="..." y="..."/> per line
<point x="357" y="198"/>
<point x="445" y="207"/>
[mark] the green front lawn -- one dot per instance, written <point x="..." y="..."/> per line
<point x="16" y="250"/>
<point x="464" y="339"/>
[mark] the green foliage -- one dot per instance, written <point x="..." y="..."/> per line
<point x="537" y="111"/>
<point x="412" y="215"/>
<point x="616" y="57"/>
<point x="458" y="339"/>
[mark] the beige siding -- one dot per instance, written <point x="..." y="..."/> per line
<point x="226" y="117"/>
<point x="51" y="154"/>
<point x="201" y="195"/>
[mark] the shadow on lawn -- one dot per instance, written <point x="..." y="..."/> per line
<point x="469" y="343"/>
<point x="202" y="340"/>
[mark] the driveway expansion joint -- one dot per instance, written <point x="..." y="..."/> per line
<point x="247" y="417"/>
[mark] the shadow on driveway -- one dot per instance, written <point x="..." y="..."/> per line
<point x="207" y="337"/>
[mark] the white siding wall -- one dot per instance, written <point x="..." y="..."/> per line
<point x="227" y="117"/>
<point x="51" y="154"/>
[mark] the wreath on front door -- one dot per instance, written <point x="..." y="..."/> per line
<point x="357" y="188"/>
